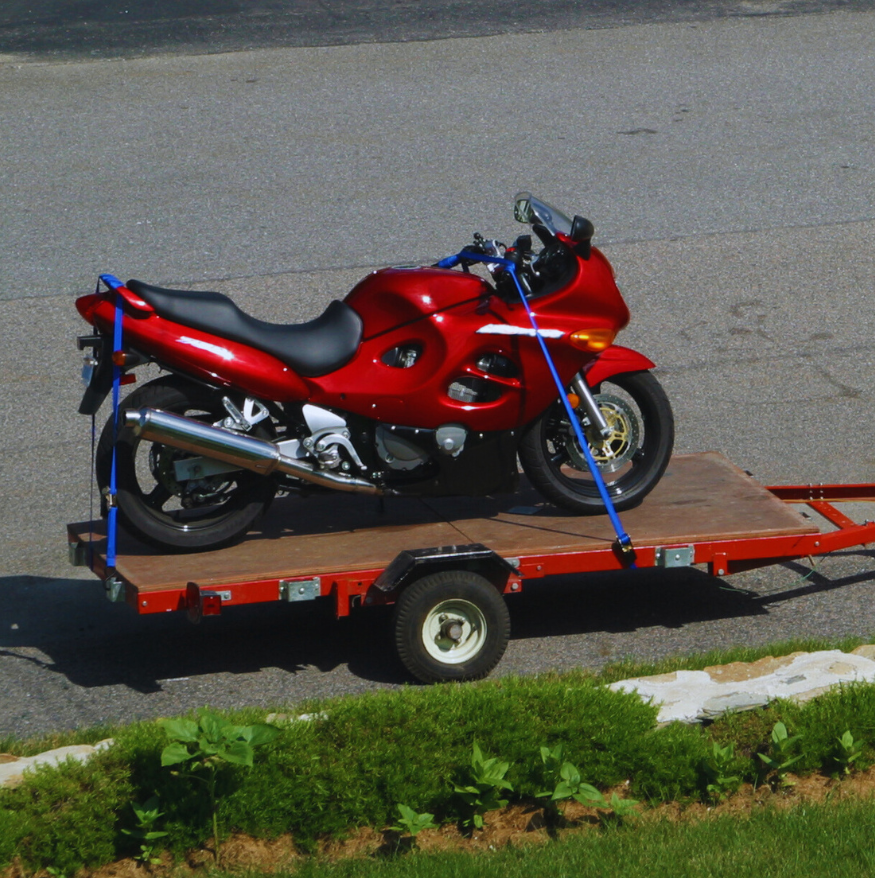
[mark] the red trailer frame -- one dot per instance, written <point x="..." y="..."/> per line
<point x="704" y="512"/>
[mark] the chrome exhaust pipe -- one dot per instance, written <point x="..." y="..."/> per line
<point x="246" y="452"/>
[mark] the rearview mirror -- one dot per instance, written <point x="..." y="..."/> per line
<point x="522" y="208"/>
<point x="581" y="229"/>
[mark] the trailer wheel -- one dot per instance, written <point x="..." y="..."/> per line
<point x="451" y="625"/>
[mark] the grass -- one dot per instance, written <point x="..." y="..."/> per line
<point x="362" y="756"/>
<point x="821" y="841"/>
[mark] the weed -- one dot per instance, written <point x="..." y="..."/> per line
<point x="616" y="810"/>
<point x="779" y="760"/>
<point x="846" y="752"/>
<point x="147" y="816"/>
<point x="413" y="823"/>
<point x="570" y="786"/>
<point x="716" y="770"/>
<point x="483" y="793"/>
<point x="205" y="746"/>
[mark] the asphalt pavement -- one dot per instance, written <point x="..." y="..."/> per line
<point x="727" y="163"/>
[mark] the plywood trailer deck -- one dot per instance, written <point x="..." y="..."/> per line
<point x="446" y="562"/>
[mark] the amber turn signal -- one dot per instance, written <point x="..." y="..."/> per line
<point x="593" y="340"/>
<point x="574" y="399"/>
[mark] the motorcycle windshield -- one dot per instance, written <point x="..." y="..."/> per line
<point x="530" y="209"/>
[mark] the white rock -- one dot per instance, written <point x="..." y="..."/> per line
<point x="690" y="696"/>
<point x="12" y="771"/>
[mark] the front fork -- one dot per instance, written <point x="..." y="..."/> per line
<point x="590" y="406"/>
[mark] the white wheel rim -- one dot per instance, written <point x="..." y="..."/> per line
<point x="454" y="631"/>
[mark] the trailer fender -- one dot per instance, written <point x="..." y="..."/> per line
<point x="413" y="564"/>
<point x="614" y="361"/>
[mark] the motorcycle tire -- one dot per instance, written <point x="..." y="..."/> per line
<point x="631" y="462"/>
<point x="191" y="517"/>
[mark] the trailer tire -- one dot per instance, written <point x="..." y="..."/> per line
<point x="451" y="625"/>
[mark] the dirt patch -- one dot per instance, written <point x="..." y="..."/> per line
<point x="520" y="824"/>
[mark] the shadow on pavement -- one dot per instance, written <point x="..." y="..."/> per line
<point x="68" y="627"/>
<point x="119" y="28"/>
<point x="93" y="642"/>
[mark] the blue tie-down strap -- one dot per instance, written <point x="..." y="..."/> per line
<point x="112" y="514"/>
<point x="624" y="541"/>
<point x="111" y="281"/>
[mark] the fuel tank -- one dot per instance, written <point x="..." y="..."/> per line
<point x="392" y="297"/>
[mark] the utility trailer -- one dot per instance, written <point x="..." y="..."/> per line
<point x="446" y="563"/>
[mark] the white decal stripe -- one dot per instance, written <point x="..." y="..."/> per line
<point x="504" y="329"/>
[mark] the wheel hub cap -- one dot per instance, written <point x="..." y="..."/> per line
<point x="454" y="631"/>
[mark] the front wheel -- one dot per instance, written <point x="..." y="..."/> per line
<point x="171" y="513"/>
<point x="451" y="625"/>
<point x="631" y="460"/>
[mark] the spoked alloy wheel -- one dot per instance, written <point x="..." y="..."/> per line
<point x="451" y="625"/>
<point x="631" y="461"/>
<point x="179" y="515"/>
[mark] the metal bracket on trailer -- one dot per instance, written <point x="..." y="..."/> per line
<point x="202" y="602"/>
<point x="412" y="563"/>
<point x="293" y="590"/>
<point x="115" y="590"/>
<point x="77" y="554"/>
<point x="675" y="556"/>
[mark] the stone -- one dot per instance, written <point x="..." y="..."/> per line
<point x="13" y="768"/>
<point x="692" y="696"/>
<point x="731" y="702"/>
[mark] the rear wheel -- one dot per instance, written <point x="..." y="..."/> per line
<point x="451" y="625"/>
<point x="631" y="460"/>
<point x="179" y="515"/>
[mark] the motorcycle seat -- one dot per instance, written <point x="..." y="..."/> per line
<point x="312" y="349"/>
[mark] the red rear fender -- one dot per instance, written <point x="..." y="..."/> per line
<point x="87" y="305"/>
<point x="614" y="361"/>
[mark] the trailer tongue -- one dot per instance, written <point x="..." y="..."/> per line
<point x="446" y="562"/>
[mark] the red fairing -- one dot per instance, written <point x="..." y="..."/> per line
<point x="393" y="297"/>
<point x="456" y="321"/>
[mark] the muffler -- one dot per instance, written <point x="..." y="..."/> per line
<point x="245" y="452"/>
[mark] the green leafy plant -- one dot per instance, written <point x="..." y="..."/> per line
<point x="412" y="822"/>
<point x="567" y="780"/>
<point x="778" y="760"/>
<point x="716" y="770"/>
<point x="483" y="793"/>
<point x="846" y="752"/>
<point x="569" y="785"/>
<point x="147" y="816"/>
<point x="616" y="810"/>
<point x="207" y="746"/>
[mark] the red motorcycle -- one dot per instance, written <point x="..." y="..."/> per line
<point x="422" y="381"/>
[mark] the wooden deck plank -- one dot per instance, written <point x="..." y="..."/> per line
<point x="701" y="497"/>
